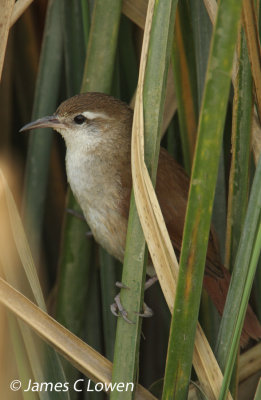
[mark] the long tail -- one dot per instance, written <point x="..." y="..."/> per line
<point x="217" y="289"/>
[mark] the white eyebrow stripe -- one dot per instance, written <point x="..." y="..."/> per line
<point x="93" y="115"/>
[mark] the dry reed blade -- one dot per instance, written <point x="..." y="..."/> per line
<point x="250" y="362"/>
<point x="19" y="8"/>
<point x="22" y="245"/>
<point x="6" y="7"/>
<point x="158" y="240"/>
<point x="82" y="356"/>
<point x="254" y="51"/>
<point x="136" y="11"/>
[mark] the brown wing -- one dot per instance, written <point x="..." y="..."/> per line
<point x="172" y="190"/>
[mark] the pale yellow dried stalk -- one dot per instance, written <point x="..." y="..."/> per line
<point x="156" y="235"/>
<point x="82" y="356"/>
<point x="19" y="8"/>
<point x="6" y="7"/>
<point x="249" y="362"/>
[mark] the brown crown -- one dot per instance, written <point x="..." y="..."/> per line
<point x="95" y="102"/>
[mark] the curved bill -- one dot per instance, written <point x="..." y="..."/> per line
<point x="45" y="122"/>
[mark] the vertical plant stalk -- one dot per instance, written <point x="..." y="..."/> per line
<point x="248" y="254"/>
<point x="184" y="68"/>
<point x="211" y="6"/>
<point x="202" y="31"/>
<point x="241" y="139"/>
<point x="5" y="20"/>
<point x="258" y="391"/>
<point x="97" y="76"/>
<point x="155" y="58"/>
<point x="238" y="181"/>
<point x="38" y="354"/>
<point x="75" y="254"/>
<point x="201" y="196"/>
<point x="251" y="29"/>
<point x="162" y="253"/>
<point x="103" y="36"/>
<point x="77" y="257"/>
<point x="46" y="94"/>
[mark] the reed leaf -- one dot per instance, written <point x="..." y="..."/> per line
<point x="102" y="43"/>
<point x="19" y="9"/>
<point x="46" y="94"/>
<point x="254" y="49"/>
<point x="184" y="68"/>
<point x="135" y="10"/>
<point x="241" y="135"/>
<point x="44" y="362"/>
<point x="250" y="362"/>
<point x="202" y="30"/>
<point x="82" y="356"/>
<point x="159" y="39"/>
<point x="75" y="36"/>
<point x="85" y="280"/>
<point x="77" y="256"/>
<point x="201" y="195"/>
<point x="258" y="391"/>
<point x="211" y="7"/>
<point x="162" y="252"/>
<point x="7" y="9"/>
<point x="239" y="170"/>
<point x="22" y="362"/>
<point x="110" y="271"/>
<point x="98" y="76"/>
<point x="241" y="282"/>
<point x="22" y="245"/>
<point x="76" y="249"/>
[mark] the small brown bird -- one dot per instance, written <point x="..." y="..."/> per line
<point x="97" y="132"/>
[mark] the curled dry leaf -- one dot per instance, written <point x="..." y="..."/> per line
<point x="155" y="232"/>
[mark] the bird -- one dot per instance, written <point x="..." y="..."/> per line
<point x="97" y="129"/>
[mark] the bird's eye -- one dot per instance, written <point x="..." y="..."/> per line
<point x="79" y="119"/>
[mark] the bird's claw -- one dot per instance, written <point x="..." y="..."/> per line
<point x="118" y="310"/>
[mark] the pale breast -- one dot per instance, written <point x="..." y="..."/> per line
<point x="99" y="195"/>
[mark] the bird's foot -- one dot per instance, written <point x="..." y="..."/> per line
<point x="147" y="312"/>
<point x="117" y="308"/>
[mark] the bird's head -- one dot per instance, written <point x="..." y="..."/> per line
<point x="87" y="119"/>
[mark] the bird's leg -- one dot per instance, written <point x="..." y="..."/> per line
<point x="117" y="308"/>
<point x="89" y="234"/>
<point x="76" y="214"/>
<point x="150" y="282"/>
<point x="147" y="311"/>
